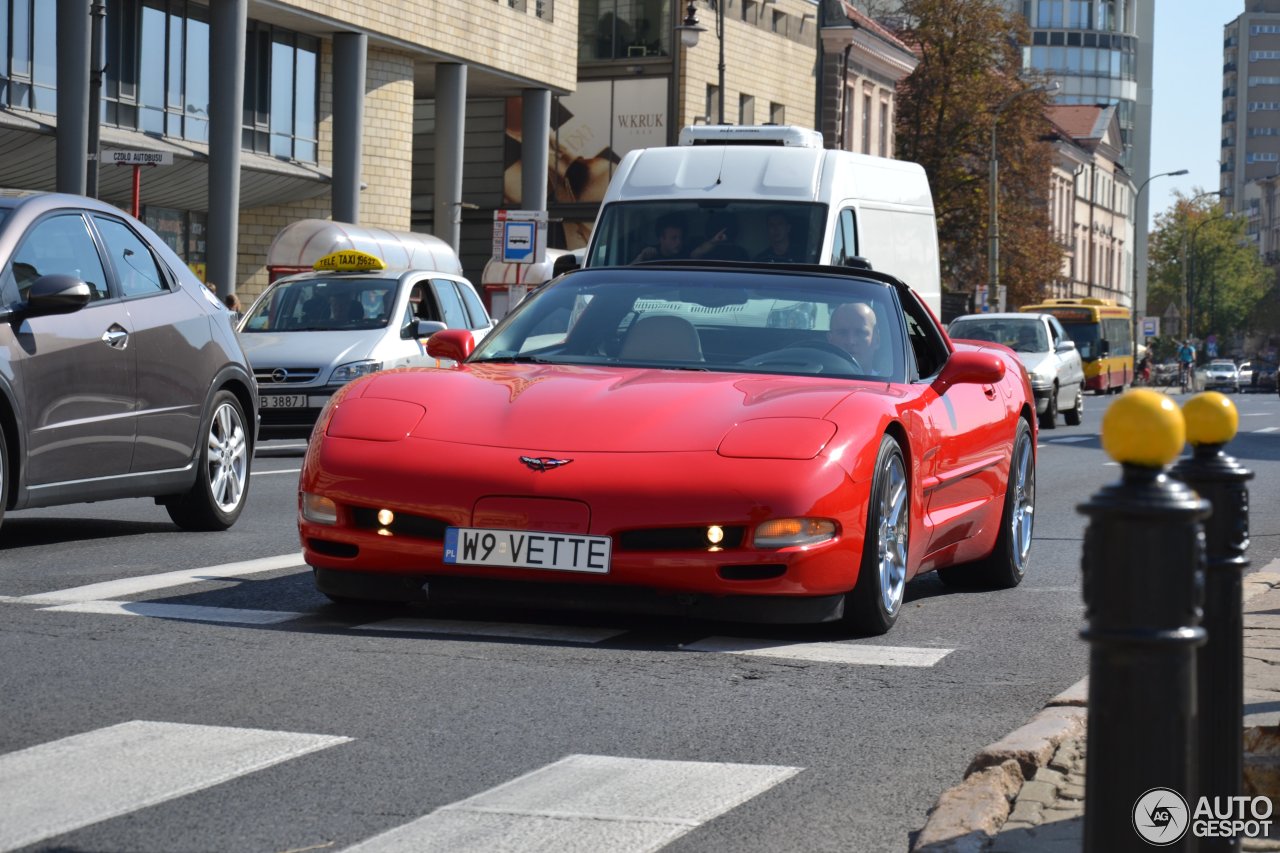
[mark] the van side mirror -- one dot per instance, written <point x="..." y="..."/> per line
<point x="969" y="367"/>
<point x="565" y="263"/>
<point x="857" y="262"/>
<point x="1104" y="347"/>
<point x="454" y="344"/>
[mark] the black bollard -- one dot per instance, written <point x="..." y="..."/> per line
<point x="1219" y="479"/>
<point x="1143" y="573"/>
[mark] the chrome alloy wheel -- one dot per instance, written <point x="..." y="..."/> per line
<point x="227" y="458"/>
<point x="892" y="538"/>
<point x="1023" y="505"/>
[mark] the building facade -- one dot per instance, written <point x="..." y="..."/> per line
<point x="1091" y="204"/>
<point x="1251" y="112"/>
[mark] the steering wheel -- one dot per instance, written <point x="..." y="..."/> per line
<point x="809" y="357"/>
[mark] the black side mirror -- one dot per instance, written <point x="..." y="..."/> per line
<point x="56" y="294"/>
<point x="1104" y="347"/>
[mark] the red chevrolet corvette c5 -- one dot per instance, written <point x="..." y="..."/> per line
<point x="780" y="444"/>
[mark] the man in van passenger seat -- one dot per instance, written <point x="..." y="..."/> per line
<point x="780" y="250"/>
<point x="670" y="243"/>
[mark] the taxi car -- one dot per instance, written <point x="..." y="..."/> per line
<point x="309" y="334"/>
<point x="120" y="373"/>
<point x="681" y="437"/>
<point x="1053" y="363"/>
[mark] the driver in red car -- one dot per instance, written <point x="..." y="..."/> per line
<point x="853" y="329"/>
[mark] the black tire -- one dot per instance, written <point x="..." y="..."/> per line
<point x="873" y="605"/>
<point x="1049" y="419"/>
<point x="1006" y="565"/>
<point x="221" y="488"/>
<point x="1076" y="414"/>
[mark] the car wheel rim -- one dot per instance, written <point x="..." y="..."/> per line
<point x="1024" y="503"/>
<point x="228" y="458"/>
<point x="894" y="520"/>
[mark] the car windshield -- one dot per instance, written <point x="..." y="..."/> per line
<point x="323" y="304"/>
<point x="637" y="231"/>
<point x="712" y="320"/>
<point x="1222" y="365"/>
<point x="1018" y="333"/>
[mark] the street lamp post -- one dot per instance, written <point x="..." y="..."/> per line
<point x="1137" y="197"/>
<point x="1188" y="278"/>
<point x="993" y="227"/>
<point x="689" y="32"/>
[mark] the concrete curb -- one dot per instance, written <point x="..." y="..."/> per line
<point x="967" y="816"/>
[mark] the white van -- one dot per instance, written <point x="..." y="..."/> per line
<point x="310" y="333"/>
<point x="737" y="191"/>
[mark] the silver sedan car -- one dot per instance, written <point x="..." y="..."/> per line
<point x="120" y="373"/>
<point x="1222" y="374"/>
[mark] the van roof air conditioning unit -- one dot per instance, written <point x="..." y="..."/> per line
<point x="761" y="134"/>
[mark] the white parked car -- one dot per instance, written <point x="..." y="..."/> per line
<point x="1044" y="348"/>
<point x="1222" y="373"/>
<point x="1246" y="375"/>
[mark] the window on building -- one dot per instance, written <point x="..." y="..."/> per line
<point x="746" y="109"/>
<point x="884" y="129"/>
<point x="777" y="113"/>
<point x="778" y="22"/>
<point x="623" y="29"/>
<point x="280" y="93"/>
<point x="866" y="123"/>
<point x="713" y="104"/>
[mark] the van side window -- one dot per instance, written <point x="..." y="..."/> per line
<point x="845" y="243"/>
<point x="928" y="347"/>
<point x="451" y="310"/>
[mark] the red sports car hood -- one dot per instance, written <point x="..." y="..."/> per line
<point x="558" y="408"/>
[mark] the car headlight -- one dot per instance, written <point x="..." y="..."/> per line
<point x="354" y="370"/>
<point x="1041" y="379"/>
<point x="789" y="532"/>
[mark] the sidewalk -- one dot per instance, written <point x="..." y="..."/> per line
<point x="1025" y="792"/>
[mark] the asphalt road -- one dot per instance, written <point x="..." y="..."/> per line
<point x="289" y="724"/>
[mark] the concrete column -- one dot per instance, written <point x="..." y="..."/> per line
<point x="535" y="135"/>
<point x="451" y="109"/>
<point x="350" y="51"/>
<point x="227" y="22"/>
<point x="72" y="142"/>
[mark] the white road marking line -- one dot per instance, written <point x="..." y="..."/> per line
<point x="1070" y="439"/>
<point x="1267" y="429"/>
<point x="835" y="652"/>
<point x="583" y="803"/>
<point x="281" y="471"/>
<point x="190" y="612"/>
<point x="108" y="590"/>
<point x="563" y="633"/>
<point x="57" y="787"/>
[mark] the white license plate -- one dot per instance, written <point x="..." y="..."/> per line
<point x="283" y="401"/>
<point x="527" y="549"/>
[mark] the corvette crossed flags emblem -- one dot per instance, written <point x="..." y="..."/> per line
<point x="543" y="463"/>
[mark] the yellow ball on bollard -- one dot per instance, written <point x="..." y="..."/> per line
<point x="1144" y="428"/>
<point x="1211" y="418"/>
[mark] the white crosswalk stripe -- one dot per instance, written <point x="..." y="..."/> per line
<point x="834" y="652"/>
<point x="585" y="803"/>
<point x="57" y="787"/>
<point x="109" y="590"/>
<point x="1267" y="429"/>
<point x="103" y="599"/>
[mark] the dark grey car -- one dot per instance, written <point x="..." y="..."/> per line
<point x="120" y="373"/>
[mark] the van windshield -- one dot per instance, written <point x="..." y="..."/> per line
<point x="639" y="231"/>
<point x="323" y="304"/>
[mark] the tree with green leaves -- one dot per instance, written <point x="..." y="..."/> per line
<point x="1203" y="264"/>
<point x="969" y="79"/>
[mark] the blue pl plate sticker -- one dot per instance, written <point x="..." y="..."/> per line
<point x="451" y="545"/>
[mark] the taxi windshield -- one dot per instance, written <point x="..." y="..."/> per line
<point x="322" y="305"/>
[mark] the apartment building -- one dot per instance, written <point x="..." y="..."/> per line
<point x="1251" y="115"/>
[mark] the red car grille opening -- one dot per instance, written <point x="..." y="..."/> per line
<point x="404" y="524"/>
<point x="675" y="539"/>
<point x="332" y="549"/>
<point x="765" y="572"/>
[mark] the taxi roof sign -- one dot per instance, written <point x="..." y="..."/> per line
<point x="349" y="260"/>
